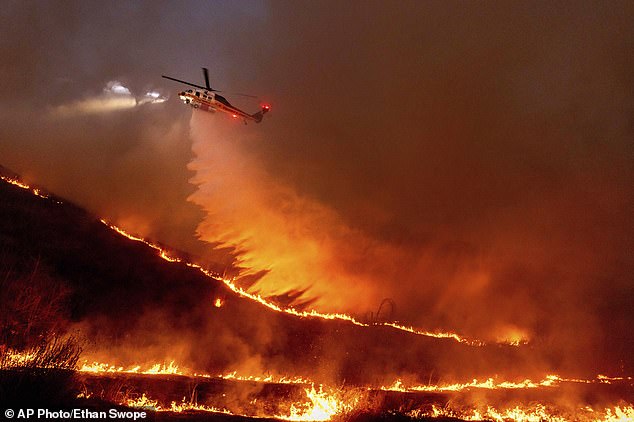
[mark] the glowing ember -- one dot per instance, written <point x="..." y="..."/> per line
<point x="218" y="303"/>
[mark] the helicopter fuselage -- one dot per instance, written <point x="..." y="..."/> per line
<point x="209" y="101"/>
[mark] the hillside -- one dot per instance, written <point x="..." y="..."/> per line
<point x="134" y="307"/>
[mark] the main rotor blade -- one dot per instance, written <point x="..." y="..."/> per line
<point x="242" y="95"/>
<point x="186" y="83"/>
<point x="206" y="73"/>
<point x="208" y="88"/>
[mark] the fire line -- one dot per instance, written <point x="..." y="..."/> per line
<point x="292" y="311"/>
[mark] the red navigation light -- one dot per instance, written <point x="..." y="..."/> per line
<point x="266" y="107"/>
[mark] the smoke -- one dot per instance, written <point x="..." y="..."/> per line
<point x="114" y="97"/>
<point x="289" y="241"/>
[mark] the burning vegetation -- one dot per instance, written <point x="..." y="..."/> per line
<point x="163" y="333"/>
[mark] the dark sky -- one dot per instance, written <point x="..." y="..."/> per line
<point x="473" y="161"/>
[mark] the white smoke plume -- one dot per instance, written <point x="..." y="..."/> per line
<point x="115" y="96"/>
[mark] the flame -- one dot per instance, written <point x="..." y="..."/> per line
<point x="218" y="303"/>
<point x="449" y="335"/>
<point x="155" y="369"/>
<point x="324" y="403"/>
<point x="618" y="413"/>
<point x="14" y="359"/>
<point x="322" y="406"/>
<point x="319" y="406"/>
<point x="551" y="380"/>
<point x="145" y="402"/>
<point x="536" y="413"/>
<point x="607" y="380"/>
<point x="162" y="369"/>
<point x="490" y="384"/>
<point x="170" y="368"/>
<point x="265" y="378"/>
<point x="18" y="183"/>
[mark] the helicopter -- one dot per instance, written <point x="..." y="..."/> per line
<point x="209" y="100"/>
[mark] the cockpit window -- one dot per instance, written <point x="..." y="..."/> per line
<point x="197" y="94"/>
<point x="222" y="99"/>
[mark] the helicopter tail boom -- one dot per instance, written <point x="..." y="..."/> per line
<point x="260" y="114"/>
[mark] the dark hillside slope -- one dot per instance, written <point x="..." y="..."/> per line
<point x="106" y="272"/>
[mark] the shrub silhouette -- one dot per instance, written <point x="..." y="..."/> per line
<point x="37" y="360"/>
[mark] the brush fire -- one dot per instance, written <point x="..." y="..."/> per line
<point x="360" y="211"/>
<point x="111" y="374"/>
